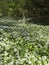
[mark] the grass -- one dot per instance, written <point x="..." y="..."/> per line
<point x="23" y="44"/>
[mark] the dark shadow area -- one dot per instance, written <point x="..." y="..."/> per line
<point x="39" y="21"/>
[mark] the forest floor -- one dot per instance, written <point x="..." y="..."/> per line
<point x="23" y="43"/>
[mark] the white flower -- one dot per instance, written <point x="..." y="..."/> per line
<point x="5" y="53"/>
<point x="44" y="58"/>
<point x="29" y="62"/>
<point x="15" y="50"/>
<point x="48" y="63"/>
<point x="47" y="42"/>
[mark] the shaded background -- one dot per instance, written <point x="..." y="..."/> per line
<point x="35" y="9"/>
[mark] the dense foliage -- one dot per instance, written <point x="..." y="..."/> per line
<point x="31" y="8"/>
<point x="23" y="44"/>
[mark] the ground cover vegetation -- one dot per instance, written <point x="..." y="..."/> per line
<point x="23" y="44"/>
